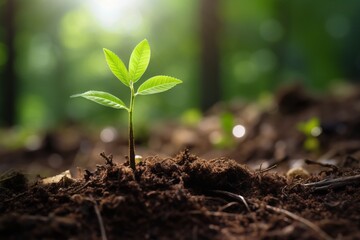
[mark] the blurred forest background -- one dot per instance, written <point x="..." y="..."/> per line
<point x="222" y="50"/>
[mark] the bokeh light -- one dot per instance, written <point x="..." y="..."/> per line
<point x="239" y="131"/>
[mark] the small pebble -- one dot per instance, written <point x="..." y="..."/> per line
<point x="297" y="173"/>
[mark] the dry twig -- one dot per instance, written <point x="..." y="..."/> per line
<point x="101" y="223"/>
<point x="267" y="169"/>
<point x="235" y="196"/>
<point x="304" y="221"/>
<point x="230" y="204"/>
<point x="327" y="165"/>
<point x="109" y="159"/>
<point x="333" y="183"/>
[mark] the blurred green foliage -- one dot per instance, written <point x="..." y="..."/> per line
<point x="264" y="43"/>
<point x="227" y="121"/>
<point x="311" y="130"/>
<point x="60" y="53"/>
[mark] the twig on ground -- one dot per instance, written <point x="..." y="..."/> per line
<point x="235" y="196"/>
<point x="333" y="183"/>
<point x="109" y="159"/>
<point x="101" y="223"/>
<point x="241" y="199"/>
<point x="230" y="204"/>
<point x="274" y="163"/>
<point x="266" y="169"/>
<point x="332" y="166"/>
<point x="304" y="221"/>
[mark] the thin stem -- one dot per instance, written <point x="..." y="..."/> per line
<point x="131" y="131"/>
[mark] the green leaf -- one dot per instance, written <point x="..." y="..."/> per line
<point x="157" y="84"/>
<point x="139" y="60"/>
<point x="103" y="98"/>
<point x="117" y="66"/>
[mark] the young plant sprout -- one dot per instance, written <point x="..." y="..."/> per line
<point x="139" y="61"/>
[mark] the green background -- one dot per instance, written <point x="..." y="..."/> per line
<point x="263" y="45"/>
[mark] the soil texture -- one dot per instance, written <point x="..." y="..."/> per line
<point x="184" y="197"/>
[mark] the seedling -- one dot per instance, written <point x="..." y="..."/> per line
<point x="139" y="61"/>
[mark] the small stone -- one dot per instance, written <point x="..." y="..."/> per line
<point x="297" y="173"/>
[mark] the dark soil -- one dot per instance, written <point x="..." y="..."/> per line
<point x="245" y="191"/>
<point x="185" y="197"/>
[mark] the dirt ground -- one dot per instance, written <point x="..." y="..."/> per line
<point x="185" y="197"/>
<point x="266" y="186"/>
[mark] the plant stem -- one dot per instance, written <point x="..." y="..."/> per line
<point x="131" y="131"/>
